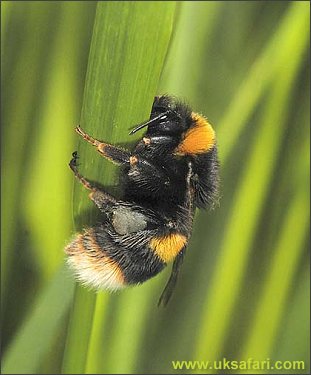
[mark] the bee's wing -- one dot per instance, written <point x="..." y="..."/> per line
<point x="170" y="285"/>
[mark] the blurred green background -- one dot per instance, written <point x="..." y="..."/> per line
<point x="245" y="285"/>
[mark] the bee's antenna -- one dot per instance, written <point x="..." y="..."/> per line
<point x="148" y="122"/>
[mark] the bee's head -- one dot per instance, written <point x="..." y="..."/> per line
<point x="168" y="117"/>
<point x="174" y="117"/>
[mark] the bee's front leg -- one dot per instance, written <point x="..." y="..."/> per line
<point x="115" y="154"/>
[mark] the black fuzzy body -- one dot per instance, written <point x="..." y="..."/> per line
<point x="163" y="183"/>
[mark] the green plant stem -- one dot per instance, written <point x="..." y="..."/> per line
<point x="129" y="44"/>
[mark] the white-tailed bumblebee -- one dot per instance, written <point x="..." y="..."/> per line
<point x="172" y="170"/>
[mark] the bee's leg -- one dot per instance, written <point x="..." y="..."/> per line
<point x="74" y="167"/>
<point x="115" y="154"/>
<point x="170" y="285"/>
<point x="102" y="199"/>
<point x="98" y="196"/>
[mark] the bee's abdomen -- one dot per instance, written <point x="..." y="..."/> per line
<point x="92" y="264"/>
<point x="99" y="261"/>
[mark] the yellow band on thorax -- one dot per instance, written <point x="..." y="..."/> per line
<point x="199" y="139"/>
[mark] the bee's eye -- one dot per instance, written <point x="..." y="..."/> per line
<point x="165" y="125"/>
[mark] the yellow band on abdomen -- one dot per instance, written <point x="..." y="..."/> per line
<point x="167" y="247"/>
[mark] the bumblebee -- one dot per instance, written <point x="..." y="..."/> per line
<point x="172" y="170"/>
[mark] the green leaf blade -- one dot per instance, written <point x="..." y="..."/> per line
<point x="128" y="49"/>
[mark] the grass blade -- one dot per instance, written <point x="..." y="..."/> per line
<point x="283" y="266"/>
<point x="247" y="205"/>
<point x="261" y="74"/>
<point x="27" y="350"/>
<point x="128" y="48"/>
